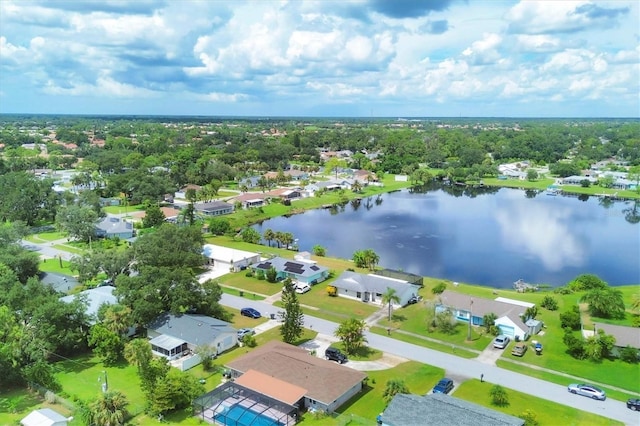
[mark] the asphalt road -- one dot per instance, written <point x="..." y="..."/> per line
<point x="464" y="367"/>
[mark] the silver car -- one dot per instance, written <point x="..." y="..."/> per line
<point x="587" y="390"/>
<point x="501" y="341"/>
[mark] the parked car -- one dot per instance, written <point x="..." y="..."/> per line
<point x="444" y="386"/>
<point x="333" y="354"/>
<point x="250" y="312"/>
<point x="633" y="404"/>
<point x="245" y="332"/>
<point x="302" y="288"/>
<point x="587" y="390"/>
<point x="501" y="341"/>
<point x="414" y="299"/>
<point x="519" y="349"/>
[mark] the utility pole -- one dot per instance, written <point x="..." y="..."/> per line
<point x="470" y="319"/>
<point x="105" y="383"/>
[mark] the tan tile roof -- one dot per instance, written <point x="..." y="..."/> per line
<point x="271" y="387"/>
<point x="325" y="381"/>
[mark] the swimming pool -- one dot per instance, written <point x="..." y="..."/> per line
<point x="237" y="415"/>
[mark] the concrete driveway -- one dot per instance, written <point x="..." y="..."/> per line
<point x="323" y="341"/>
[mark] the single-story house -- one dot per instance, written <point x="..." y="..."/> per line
<point x="250" y="182"/>
<point x="176" y="337"/>
<point x="509" y="311"/>
<point x="577" y="180"/>
<point x="182" y="192"/>
<point x="290" y="174"/>
<point x="326" y="384"/>
<point x="228" y="259"/>
<point x="112" y="227"/>
<point x="44" y="417"/>
<point x="301" y="270"/>
<point x="371" y="287"/>
<point x="95" y="298"/>
<point x="214" y="208"/>
<point x="625" y="336"/>
<point x="438" y="409"/>
<point x="250" y="200"/>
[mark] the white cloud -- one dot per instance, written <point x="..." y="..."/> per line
<point x="257" y="53"/>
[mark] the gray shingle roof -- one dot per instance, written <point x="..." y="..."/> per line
<point x="438" y="409"/>
<point x="354" y="281"/>
<point x="193" y="329"/>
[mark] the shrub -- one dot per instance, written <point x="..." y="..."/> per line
<point x="629" y="354"/>
<point x="563" y="290"/>
<point x="499" y="396"/>
<point x="575" y="346"/>
<point x="439" y="288"/>
<point x="571" y="319"/>
<point x="550" y="303"/>
<point x="530" y="418"/>
<point x="250" y="341"/>
<point x="249" y="273"/>
<point x="332" y="291"/>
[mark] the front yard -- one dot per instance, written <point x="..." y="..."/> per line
<point x="547" y="412"/>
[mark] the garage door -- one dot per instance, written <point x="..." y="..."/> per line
<point x="507" y="331"/>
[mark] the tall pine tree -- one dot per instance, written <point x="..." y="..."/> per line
<point x="291" y="329"/>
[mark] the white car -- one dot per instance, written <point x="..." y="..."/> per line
<point x="302" y="288"/>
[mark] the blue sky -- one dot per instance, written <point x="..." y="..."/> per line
<point x="393" y="58"/>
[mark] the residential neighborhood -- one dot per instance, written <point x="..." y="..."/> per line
<point x="174" y="287"/>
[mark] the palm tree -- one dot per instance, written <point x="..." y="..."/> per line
<point x="117" y="319"/>
<point x="356" y="187"/>
<point x="269" y="236"/>
<point x="109" y="409"/>
<point x="390" y="297"/>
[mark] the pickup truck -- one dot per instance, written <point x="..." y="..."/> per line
<point x="519" y="349"/>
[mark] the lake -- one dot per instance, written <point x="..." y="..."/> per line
<point x="489" y="236"/>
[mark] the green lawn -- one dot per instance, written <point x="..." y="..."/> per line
<point x="46" y="236"/>
<point x="412" y="319"/>
<point x="68" y="248"/>
<point x="123" y="209"/>
<point x="416" y="340"/>
<point x="15" y="404"/>
<point x="82" y="377"/>
<point x="53" y="265"/>
<point x="239" y="280"/>
<point x="364" y="408"/>
<point x="558" y="379"/>
<point x="547" y="412"/>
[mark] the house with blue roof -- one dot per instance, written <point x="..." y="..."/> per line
<point x="301" y="270"/>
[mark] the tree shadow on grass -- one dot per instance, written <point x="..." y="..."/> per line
<point x="363" y="352"/>
<point x="398" y="318"/>
<point x="77" y="365"/>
